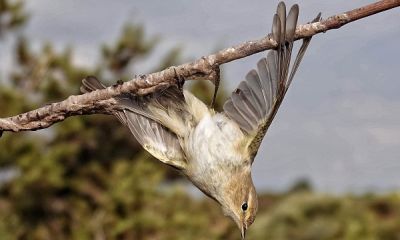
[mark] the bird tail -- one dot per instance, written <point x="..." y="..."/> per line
<point x="91" y="83"/>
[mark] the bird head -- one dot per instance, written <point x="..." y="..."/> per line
<point x="239" y="200"/>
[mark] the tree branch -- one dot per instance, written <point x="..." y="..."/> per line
<point x="102" y="101"/>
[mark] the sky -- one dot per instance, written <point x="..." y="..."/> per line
<point x="339" y="126"/>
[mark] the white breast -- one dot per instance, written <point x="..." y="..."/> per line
<point x="212" y="147"/>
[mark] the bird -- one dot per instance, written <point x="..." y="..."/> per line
<point x="216" y="150"/>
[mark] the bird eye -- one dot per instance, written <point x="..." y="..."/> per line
<point x="244" y="206"/>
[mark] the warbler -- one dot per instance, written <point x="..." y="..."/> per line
<point x="215" y="150"/>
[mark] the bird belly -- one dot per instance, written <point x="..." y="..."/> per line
<point x="212" y="152"/>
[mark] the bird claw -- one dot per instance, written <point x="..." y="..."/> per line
<point x="118" y="83"/>
<point x="216" y="82"/>
<point x="317" y="18"/>
<point x="180" y="81"/>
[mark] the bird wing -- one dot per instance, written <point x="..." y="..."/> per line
<point x="256" y="100"/>
<point x="156" y="139"/>
<point x="147" y="129"/>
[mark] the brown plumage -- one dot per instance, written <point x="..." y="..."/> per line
<point x="216" y="150"/>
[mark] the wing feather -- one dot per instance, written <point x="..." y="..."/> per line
<point x="148" y="130"/>
<point x="255" y="102"/>
<point x="156" y="139"/>
<point x="239" y="101"/>
<point x="234" y="114"/>
<point x="255" y="84"/>
<point x="251" y="100"/>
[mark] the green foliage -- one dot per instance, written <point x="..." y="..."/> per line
<point x="308" y="216"/>
<point x="87" y="177"/>
<point x="12" y="15"/>
<point x="131" y="46"/>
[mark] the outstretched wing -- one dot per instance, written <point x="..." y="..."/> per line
<point x="254" y="103"/>
<point x="148" y="131"/>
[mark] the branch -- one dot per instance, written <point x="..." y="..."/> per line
<point x="102" y="101"/>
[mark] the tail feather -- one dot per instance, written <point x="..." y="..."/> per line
<point x="90" y="84"/>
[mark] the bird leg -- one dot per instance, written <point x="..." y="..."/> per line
<point x="180" y="81"/>
<point x="215" y="81"/>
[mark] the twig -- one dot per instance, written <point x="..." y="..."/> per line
<point x="102" y="101"/>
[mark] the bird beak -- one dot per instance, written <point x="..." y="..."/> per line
<point x="243" y="232"/>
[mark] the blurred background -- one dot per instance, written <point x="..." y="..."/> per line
<point x="329" y="168"/>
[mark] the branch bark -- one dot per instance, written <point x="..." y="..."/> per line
<point x="204" y="68"/>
